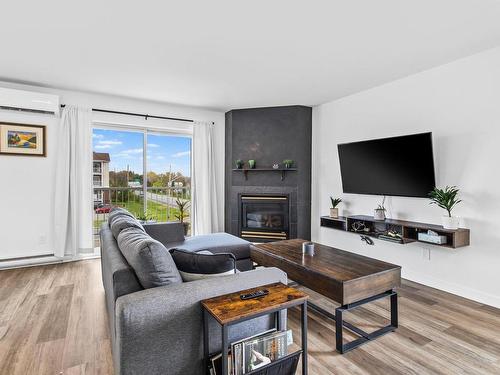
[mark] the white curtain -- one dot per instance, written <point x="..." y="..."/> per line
<point x="73" y="184"/>
<point x="204" y="204"/>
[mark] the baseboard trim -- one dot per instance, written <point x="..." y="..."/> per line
<point x="42" y="261"/>
<point x="459" y="290"/>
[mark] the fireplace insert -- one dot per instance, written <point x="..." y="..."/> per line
<point x="264" y="218"/>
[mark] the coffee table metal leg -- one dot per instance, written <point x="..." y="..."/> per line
<point x="339" y="326"/>
<point x="304" y="337"/>
<point x="224" y="349"/>
<point x="394" y="310"/>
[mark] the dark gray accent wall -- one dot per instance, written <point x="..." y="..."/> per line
<point x="270" y="135"/>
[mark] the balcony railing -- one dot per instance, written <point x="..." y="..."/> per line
<point x="161" y="204"/>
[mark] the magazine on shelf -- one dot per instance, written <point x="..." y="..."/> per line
<point x="216" y="367"/>
<point x="262" y="350"/>
<point x="237" y="350"/>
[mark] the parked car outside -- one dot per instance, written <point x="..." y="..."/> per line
<point x="103" y="209"/>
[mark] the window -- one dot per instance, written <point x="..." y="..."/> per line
<point x="147" y="172"/>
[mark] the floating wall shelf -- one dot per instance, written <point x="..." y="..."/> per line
<point x="282" y="170"/>
<point x="408" y="229"/>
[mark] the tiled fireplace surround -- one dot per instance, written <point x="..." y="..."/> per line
<point x="269" y="135"/>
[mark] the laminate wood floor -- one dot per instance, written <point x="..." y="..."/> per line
<point x="53" y="321"/>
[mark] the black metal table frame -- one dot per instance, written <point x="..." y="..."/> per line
<point x="364" y="336"/>
<point x="277" y="317"/>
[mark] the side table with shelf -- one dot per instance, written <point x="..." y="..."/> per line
<point x="229" y="309"/>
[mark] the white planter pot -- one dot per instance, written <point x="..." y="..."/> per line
<point x="334" y="212"/>
<point x="379" y="214"/>
<point x="450" y="222"/>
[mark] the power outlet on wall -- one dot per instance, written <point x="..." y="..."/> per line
<point x="426" y="253"/>
<point x="42" y="239"/>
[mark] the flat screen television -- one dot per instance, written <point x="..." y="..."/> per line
<point x="396" y="166"/>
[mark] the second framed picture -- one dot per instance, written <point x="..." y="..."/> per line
<point x="22" y="139"/>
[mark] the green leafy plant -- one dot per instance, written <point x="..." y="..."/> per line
<point x="335" y="201"/>
<point x="182" y="206"/>
<point x="239" y="163"/>
<point x="288" y="163"/>
<point x="144" y="217"/>
<point x="252" y="163"/>
<point x="446" y="198"/>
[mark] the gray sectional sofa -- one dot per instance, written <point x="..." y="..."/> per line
<point x="159" y="330"/>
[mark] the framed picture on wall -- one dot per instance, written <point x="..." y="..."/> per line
<point x="22" y="139"/>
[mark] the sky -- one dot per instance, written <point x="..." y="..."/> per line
<point x="125" y="148"/>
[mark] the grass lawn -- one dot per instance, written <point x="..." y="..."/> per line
<point x="156" y="211"/>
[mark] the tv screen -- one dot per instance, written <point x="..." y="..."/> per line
<point x="398" y="166"/>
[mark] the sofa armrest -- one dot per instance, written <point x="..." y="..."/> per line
<point x="166" y="232"/>
<point x="160" y="331"/>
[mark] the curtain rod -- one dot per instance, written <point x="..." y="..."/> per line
<point x="146" y="116"/>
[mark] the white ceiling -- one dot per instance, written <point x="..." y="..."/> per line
<point x="235" y="54"/>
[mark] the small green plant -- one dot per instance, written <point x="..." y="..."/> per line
<point x="446" y="198"/>
<point x="251" y="163"/>
<point x="182" y="206"/>
<point x="288" y="163"/>
<point x="144" y="217"/>
<point x="335" y="201"/>
<point x="239" y="163"/>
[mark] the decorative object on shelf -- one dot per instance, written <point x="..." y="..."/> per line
<point x="22" y="139"/>
<point x="251" y="163"/>
<point x="308" y="248"/>
<point x="276" y="166"/>
<point x="359" y="226"/>
<point x="432" y="237"/>
<point x="239" y="163"/>
<point x="334" y="210"/>
<point x="379" y="213"/>
<point x="182" y="206"/>
<point x="447" y="199"/>
<point x="288" y="163"/>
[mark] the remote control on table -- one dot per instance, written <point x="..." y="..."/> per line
<point x="256" y="294"/>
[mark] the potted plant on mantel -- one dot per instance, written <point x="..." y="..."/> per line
<point x="447" y="199"/>
<point x="379" y="212"/>
<point x="239" y="163"/>
<point x="334" y="210"/>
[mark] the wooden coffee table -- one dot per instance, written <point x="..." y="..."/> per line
<point x="350" y="279"/>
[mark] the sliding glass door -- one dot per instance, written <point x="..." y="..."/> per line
<point x="145" y="171"/>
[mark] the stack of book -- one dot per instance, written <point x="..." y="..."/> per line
<point x="253" y="352"/>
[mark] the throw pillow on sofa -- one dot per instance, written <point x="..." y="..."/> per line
<point x="122" y="222"/>
<point x="203" y="264"/>
<point x="151" y="261"/>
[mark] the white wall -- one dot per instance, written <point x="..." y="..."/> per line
<point x="460" y="103"/>
<point x="26" y="183"/>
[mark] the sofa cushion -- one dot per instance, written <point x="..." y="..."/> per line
<point x="151" y="261"/>
<point x="216" y="243"/>
<point x="117" y="212"/>
<point x="122" y="222"/>
<point x="203" y="264"/>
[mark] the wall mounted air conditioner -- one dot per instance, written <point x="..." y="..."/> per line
<point x="29" y="101"/>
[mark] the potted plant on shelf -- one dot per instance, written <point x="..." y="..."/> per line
<point x="288" y="163"/>
<point x="251" y="163"/>
<point x="334" y="210"/>
<point x="239" y="163"/>
<point x="447" y="199"/>
<point x="379" y="212"/>
<point x="182" y="206"/>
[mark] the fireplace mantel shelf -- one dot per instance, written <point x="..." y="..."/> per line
<point x="282" y="170"/>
